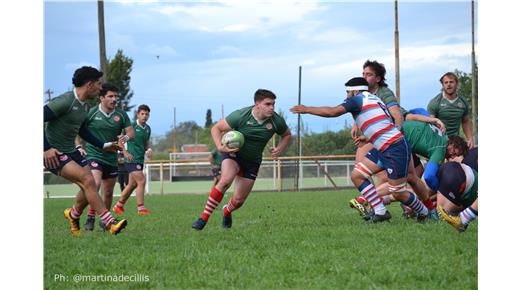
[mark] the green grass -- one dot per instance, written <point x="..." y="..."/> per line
<point x="278" y="240"/>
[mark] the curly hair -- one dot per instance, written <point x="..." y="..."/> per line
<point x="459" y="143"/>
<point x="379" y="69"/>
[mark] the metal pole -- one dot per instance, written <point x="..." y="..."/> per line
<point x="299" y="145"/>
<point x="473" y="76"/>
<point x="174" y="130"/>
<point x="102" y="48"/>
<point x="396" y="39"/>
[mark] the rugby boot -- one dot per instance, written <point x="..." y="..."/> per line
<point x="227" y="221"/>
<point x="358" y="206"/>
<point x="377" y="218"/>
<point x="74" y="223"/>
<point x="198" y="224"/>
<point x="116" y="226"/>
<point x="89" y="224"/>
<point x="453" y="220"/>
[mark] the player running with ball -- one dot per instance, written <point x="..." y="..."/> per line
<point x="258" y="123"/>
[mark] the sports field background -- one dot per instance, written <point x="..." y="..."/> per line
<point x="286" y="240"/>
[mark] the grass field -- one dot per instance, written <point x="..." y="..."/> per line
<point x="278" y="240"/>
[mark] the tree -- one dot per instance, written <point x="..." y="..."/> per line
<point x="464" y="89"/>
<point x="118" y="73"/>
<point x="209" y="120"/>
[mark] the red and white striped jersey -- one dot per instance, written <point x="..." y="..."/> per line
<point x="375" y="122"/>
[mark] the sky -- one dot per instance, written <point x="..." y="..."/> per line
<point x="201" y="55"/>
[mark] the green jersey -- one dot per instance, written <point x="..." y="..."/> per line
<point x="105" y="127"/>
<point x="217" y="157"/>
<point x="449" y="112"/>
<point x="256" y="134"/>
<point x="138" y="145"/>
<point x="387" y="96"/>
<point x="426" y="140"/>
<point x="71" y="113"/>
<point x="471" y="191"/>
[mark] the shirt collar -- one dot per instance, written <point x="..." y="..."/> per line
<point x="76" y="96"/>
<point x="449" y="100"/>
<point x="105" y="113"/>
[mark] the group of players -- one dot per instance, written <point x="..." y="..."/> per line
<point x="108" y="132"/>
<point x="390" y="140"/>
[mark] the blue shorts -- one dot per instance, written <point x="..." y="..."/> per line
<point x="131" y="167"/>
<point x="65" y="158"/>
<point x="394" y="159"/>
<point x="248" y="169"/>
<point x="107" y="171"/>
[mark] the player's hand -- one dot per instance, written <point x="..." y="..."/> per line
<point x="122" y="139"/>
<point x="360" y="141"/>
<point x="299" y="109"/>
<point x="112" y="147"/>
<point x="354" y="131"/>
<point x="275" y="152"/>
<point x="148" y="153"/>
<point x="129" y="156"/>
<point x="439" y="125"/>
<point x="224" y="149"/>
<point x="470" y="143"/>
<point x="50" y="158"/>
<point x="82" y="151"/>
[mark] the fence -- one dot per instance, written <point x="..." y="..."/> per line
<point x="282" y="174"/>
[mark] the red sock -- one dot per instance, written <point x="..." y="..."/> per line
<point x="231" y="206"/>
<point x="215" y="197"/>
<point x="429" y="204"/>
<point x="75" y="213"/>
<point x="106" y="217"/>
<point x="91" y="212"/>
<point x="140" y="206"/>
<point x="120" y="204"/>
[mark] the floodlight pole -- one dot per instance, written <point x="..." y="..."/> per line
<point x="102" y="48"/>
<point x="396" y="39"/>
<point x="473" y="77"/>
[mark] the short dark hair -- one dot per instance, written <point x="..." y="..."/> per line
<point x="106" y="87"/>
<point x="143" y="107"/>
<point x="262" y="94"/>
<point x="459" y="143"/>
<point x="379" y="69"/>
<point x="84" y="75"/>
<point x="449" y="74"/>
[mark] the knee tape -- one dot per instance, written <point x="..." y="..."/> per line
<point x="363" y="169"/>
<point x="397" y="188"/>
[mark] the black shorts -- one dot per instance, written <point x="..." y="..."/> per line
<point x="248" y="169"/>
<point x="108" y="171"/>
<point x="65" y="158"/>
<point x="131" y="167"/>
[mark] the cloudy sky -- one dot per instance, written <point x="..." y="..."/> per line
<point x="214" y="53"/>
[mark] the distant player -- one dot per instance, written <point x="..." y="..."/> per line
<point x="106" y="122"/>
<point x="391" y="151"/>
<point x="452" y="109"/>
<point x="138" y="148"/>
<point x="65" y="118"/>
<point x="258" y="123"/>
<point x="215" y="159"/>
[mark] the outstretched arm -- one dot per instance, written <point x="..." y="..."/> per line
<point x="327" y="112"/>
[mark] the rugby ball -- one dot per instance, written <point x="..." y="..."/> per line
<point x="233" y="139"/>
